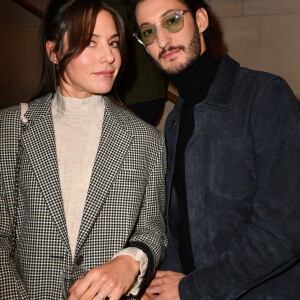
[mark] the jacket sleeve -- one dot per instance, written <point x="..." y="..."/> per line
<point x="171" y="260"/>
<point x="270" y="244"/>
<point x="149" y="235"/>
<point x="11" y="285"/>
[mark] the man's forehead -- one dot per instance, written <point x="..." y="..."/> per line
<point x="150" y="10"/>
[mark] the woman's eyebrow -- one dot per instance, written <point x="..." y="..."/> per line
<point x="115" y="35"/>
<point x="98" y="35"/>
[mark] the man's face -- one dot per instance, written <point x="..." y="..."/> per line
<point x="173" y="52"/>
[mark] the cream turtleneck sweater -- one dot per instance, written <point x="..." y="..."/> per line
<point x="78" y="127"/>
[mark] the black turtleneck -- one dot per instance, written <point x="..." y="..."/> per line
<point x="193" y="85"/>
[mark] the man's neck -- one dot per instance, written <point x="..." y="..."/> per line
<point x="194" y="82"/>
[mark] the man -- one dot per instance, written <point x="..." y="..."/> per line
<point x="233" y="181"/>
<point x="143" y="87"/>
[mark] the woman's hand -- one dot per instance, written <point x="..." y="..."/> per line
<point x="113" y="279"/>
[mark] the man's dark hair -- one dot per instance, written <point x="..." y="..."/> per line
<point x="194" y="5"/>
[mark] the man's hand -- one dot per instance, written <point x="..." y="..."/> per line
<point x="165" y="284"/>
<point x="113" y="279"/>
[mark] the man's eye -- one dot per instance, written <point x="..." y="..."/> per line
<point x="148" y="32"/>
<point x="172" y="19"/>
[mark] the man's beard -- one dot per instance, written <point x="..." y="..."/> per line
<point x="192" y="53"/>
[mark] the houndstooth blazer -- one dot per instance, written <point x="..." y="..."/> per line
<point x="124" y="205"/>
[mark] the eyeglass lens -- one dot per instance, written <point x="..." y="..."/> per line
<point x="171" y="23"/>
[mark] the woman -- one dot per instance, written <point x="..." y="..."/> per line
<point x="83" y="182"/>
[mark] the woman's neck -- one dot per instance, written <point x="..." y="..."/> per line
<point x="70" y="93"/>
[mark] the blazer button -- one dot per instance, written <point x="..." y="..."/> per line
<point x="79" y="260"/>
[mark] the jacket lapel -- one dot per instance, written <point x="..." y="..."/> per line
<point x="39" y="143"/>
<point x="113" y="146"/>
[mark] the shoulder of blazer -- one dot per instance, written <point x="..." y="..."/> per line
<point x="10" y="114"/>
<point x="39" y="107"/>
<point x="130" y="122"/>
<point x="36" y="109"/>
<point x="10" y="128"/>
<point x="10" y="122"/>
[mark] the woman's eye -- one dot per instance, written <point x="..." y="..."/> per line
<point x="91" y="44"/>
<point x="115" y="44"/>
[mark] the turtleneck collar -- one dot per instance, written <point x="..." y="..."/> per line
<point x="194" y="82"/>
<point x="75" y="106"/>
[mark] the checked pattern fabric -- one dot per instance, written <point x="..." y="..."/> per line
<point x="124" y="205"/>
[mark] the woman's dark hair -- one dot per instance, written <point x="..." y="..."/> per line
<point x="78" y="19"/>
<point x="208" y="34"/>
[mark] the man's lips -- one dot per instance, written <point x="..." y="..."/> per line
<point x="105" y="74"/>
<point x="170" y="54"/>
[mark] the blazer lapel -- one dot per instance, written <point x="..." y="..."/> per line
<point x="113" y="146"/>
<point x="39" y="143"/>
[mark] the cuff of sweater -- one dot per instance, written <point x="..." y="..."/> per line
<point x="140" y="256"/>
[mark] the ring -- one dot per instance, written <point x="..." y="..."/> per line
<point x="100" y="296"/>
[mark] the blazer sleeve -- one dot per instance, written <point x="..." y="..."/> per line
<point x="270" y="245"/>
<point x="11" y="285"/>
<point x="149" y="235"/>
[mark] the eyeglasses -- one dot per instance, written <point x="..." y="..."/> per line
<point x="172" y="23"/>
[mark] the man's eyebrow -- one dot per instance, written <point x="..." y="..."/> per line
<point x="169" y="11"/>
<point x="164" y="14"/>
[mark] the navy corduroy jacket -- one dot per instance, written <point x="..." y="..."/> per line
<point x="242" y="167"/>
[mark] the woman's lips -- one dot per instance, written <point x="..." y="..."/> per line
<point x="105" y="74"/>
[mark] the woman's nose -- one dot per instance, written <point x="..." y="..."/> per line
<point x="106" y="54"/>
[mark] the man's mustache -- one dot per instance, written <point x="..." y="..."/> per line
<point x="171" y="48"/>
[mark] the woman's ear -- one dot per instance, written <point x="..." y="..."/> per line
<point x="202" y="19"/>
<point x="50" y="51"/>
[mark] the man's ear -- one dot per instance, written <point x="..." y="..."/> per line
<point x="202" y="19"/>
<point x="50" y="51"/>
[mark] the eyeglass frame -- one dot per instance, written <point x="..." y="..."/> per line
<point x="180" y="12"/>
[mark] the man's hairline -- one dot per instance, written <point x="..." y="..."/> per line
<point x="141" y="1"/>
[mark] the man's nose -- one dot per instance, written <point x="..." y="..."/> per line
<point x="163" y="38"/>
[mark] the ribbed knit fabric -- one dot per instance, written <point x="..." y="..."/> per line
<point x="78" y="127"/>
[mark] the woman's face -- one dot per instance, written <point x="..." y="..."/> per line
<point x="95" y="69"/>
